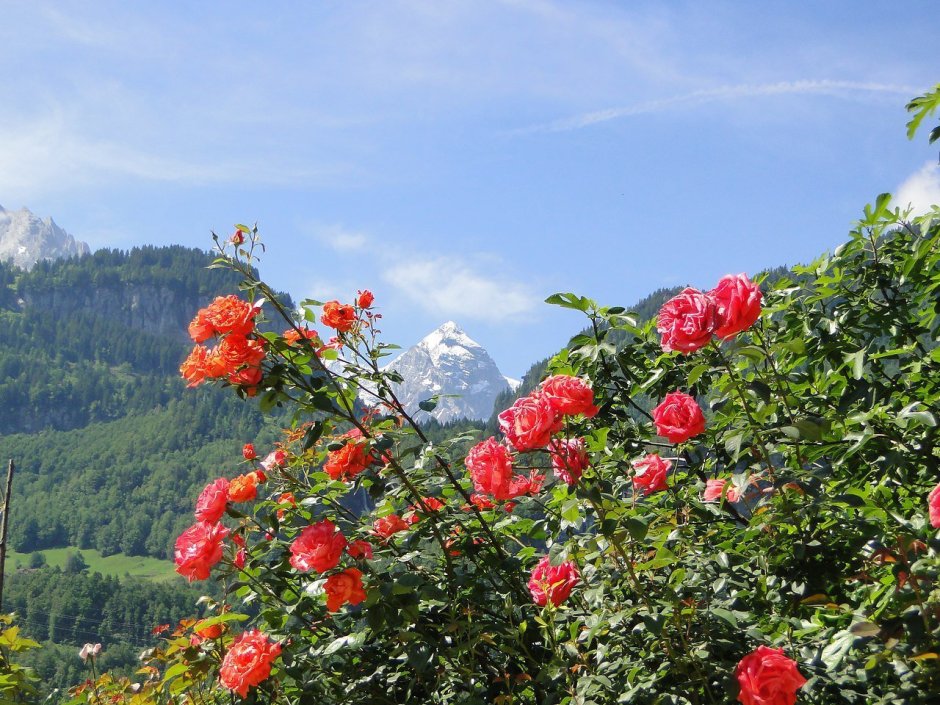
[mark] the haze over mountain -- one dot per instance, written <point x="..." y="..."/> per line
<point x="26" y="239"/>
<point x="449" y="362"/>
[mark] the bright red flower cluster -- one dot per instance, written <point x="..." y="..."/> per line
<point x="688" y="321"/>
<point x="530" y="424"/>
<point x="237" y="357"/>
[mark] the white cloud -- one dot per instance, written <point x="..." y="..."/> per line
<point x="450" y="287"/>
<point x="340" y="238"/>
<point x="920" y="190"/>
<point x="842" y="89"/>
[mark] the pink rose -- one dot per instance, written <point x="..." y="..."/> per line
<point x="687" y="321"/>
<point x="737" y="302"/>
<point x="490" y="465"/>
<point x="274" y="459"/>
<point x="211" y="504"/>
<point x="568" y="395"/>
<point x="714" y="489"/>
<point x="529" y="423"/>
<point x="552" y="583"/>
<point x="318" y="547"/>
<point x="650" y="473"/>
<point x="768" y="677"/>
<point x="933" y="502"/>
<point x="198" y="549"/>
<point x="678" y="417"/>
<point x="569" y="459"/>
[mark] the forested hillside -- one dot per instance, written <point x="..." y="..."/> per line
<point x="110" y="448"/>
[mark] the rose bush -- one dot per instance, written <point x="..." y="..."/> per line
<point x="806" y="403"/>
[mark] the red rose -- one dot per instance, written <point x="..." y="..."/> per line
<point x="650" y="474"/>
<point x="933" y="503"/>
<point x="678" y="417"/>
<point x="248" y="661"/>
<point x="569" y="395"/>
<point x="248" y="452"/>
<point x="360" y="549"/>
<point x="342" y="588"/>
<point x="737" y="303"/>
<point x="569" y="459"/>
<point x="338" y="316"/>
<point x="388" y="526"/>
<point x="687" y="321"/>
<point x="768" y="677"/>
<point x="552" y="583"/>
<point x="490" y="466"/>
<point x="243" y="488"/>
<point x="198" y="549"/>
<point x="529" y="423"/>
<point x="211" y="504"/>
<point x="365" y="299"/>
<point x="348" y="461"/>
<point x="319" y="547"/>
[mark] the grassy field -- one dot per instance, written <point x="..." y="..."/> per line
<point x="117" y="564"/>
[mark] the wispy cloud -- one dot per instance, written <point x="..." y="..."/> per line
<point x="49" y="153"/>
<point x="920" y="190"/>
<point x="448" y="286"/>
<point x="842" y="89"/>
<point x="341" y="238"/>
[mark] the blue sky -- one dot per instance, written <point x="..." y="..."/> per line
<point x="466" y="159"/>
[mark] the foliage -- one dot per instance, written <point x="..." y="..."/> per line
<point x="787" y="530"/>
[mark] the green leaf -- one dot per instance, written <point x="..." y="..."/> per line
<point x="428" y="404"/>
<point x="637" y="528"/>
<point x="579" y="303"/>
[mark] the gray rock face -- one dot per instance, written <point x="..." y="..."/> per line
<point x="26" y="239"/>
<point x="448" y="361"/>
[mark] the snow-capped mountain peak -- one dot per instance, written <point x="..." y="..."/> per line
<point x="447" y="361"/>
<point x="25" y="239"/>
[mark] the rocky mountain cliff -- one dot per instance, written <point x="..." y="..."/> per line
<point x="448" y="362"/>
<point x="26" y="239"/>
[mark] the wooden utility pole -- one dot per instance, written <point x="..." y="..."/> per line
<point x="3" y="528"/>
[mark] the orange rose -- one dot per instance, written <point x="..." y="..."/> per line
<point x="348" y="461"/>
<point x="338" y="316"/>
<point x="248" y="661"/>
<point x="243" y="488"/>
<point x="342" y="588"/>
<point x="365" y="299"/>
<point x="230" y="314"/>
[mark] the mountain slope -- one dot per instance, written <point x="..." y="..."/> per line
<point x="26" y="239"/>
<point x="448" y="362"/>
